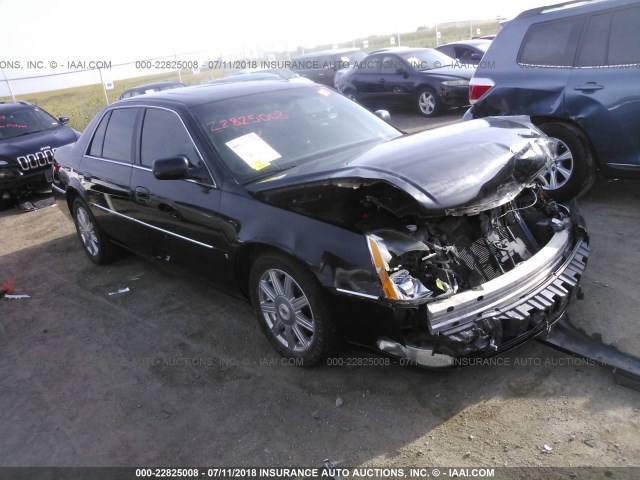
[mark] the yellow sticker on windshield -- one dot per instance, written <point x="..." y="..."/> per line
<point x="253" y="150"/>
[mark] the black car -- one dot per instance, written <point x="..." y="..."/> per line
<point x="28" y="137"/>
<point x="321" y="67"/>
<point x="419" y="77"/>
<point x="149" y="88"/>
<point x="466" y="51"/>
<point x="430" y="247"/>
<point x="574" y="68"/>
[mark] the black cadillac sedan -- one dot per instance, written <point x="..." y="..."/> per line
<point x="423" y="78"/>
<point x="431" y="247"/>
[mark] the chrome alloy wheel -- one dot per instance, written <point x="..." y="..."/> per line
<point x="286" y="310"/>
<point x="427" y="103"/>
<point x="87" y="231"/>
<point x="561" y="166"/>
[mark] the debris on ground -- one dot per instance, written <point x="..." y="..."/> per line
<point x="120" y="291"/>
<point x="7" y="288"/>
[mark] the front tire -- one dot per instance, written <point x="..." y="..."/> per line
<point x="428" y="103"/>
<point x="93" y="240"/>
<point x="572" y="172"/>
<point x="292" y="309"/>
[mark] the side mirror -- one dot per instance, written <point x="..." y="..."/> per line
<point x="174" y="168"/>
<point x="383" y="114"/>
<point x="63" y="120"/>
<point x="476" y="57"/>
<point x="402" y="71"/>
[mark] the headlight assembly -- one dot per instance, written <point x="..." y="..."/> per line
<point x="397" y="282"/>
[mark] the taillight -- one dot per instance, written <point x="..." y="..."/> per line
<point x="478" y="87"/>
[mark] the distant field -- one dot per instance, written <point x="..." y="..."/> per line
<point x="81" y="104"/>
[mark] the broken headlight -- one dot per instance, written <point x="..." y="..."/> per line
<point x="397" y="282"/>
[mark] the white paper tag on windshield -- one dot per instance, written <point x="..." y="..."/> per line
<point x="255" y="152"/>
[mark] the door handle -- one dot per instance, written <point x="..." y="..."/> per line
<point x="382" y="80"/>
<point x="142" y="195"/>
<point x="589" y="86"/>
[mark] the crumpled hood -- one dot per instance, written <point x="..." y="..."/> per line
<point x="458" y="169"/>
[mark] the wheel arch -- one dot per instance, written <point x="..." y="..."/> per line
<point x="539" y="120"/>
<point x="246" y="256"/>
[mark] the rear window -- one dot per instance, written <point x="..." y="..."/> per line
<point x="611" y="39"/>
<point x="551" y="44"/>
<point x="118" y="138"/>
<point x="624" y="44"/>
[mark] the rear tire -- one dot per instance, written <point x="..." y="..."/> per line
<point x="93" y="240"/>
<point x="292" y="309"/>
<point x="573" y="170"/>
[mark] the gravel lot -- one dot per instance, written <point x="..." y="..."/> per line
<point x="175" y="373"/>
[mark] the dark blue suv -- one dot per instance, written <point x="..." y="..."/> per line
<point x="574" y="68"/>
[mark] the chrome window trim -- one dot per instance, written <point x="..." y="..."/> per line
<point x="117" y="162"/>
<point x="108" y="210"/>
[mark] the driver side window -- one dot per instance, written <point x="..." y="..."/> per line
<point x="164" y="136"/>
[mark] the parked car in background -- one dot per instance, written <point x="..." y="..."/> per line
<point x="575" y="70"/>
<point x="28" y="138"/>
<point x="321" y="67"/>
<point x="422" y="78"/>
<point x="468" y="51"/>
<point x="430" y="247"/>
<point x="149" y="88"/>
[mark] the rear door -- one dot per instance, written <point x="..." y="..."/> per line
<point x="603" y="92"/>
<point x="106" y="170"/>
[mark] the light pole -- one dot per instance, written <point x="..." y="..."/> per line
<point x="9" y="85"/>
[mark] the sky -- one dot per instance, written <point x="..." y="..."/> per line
<point x="121" y="31"/>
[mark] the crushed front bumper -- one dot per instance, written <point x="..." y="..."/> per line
<point x="505" y="312"/>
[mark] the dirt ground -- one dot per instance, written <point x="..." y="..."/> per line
<point x="175" y="373"/>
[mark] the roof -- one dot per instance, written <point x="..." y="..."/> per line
<point x="10" y="105"/>
<point x="589" y="5"/>
<point x="200" y="94"/>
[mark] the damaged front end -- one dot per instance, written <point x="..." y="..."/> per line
<point x="485" y="282"/>
<point x="468" y="252"/>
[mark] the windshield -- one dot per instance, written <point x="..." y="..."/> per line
<point x="25" y="120"/>
<point x="265" y="133"/>
<point x="426" y="59"/>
